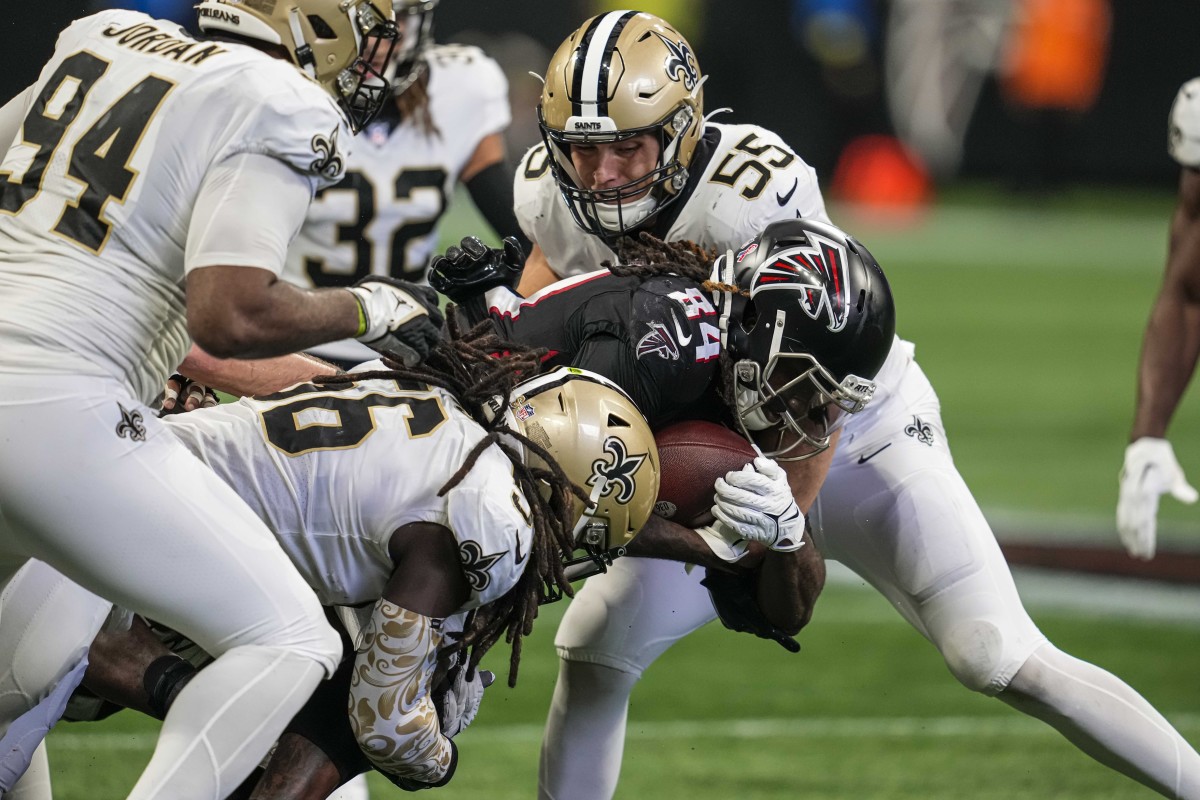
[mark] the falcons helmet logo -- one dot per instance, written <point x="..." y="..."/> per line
<point x="828" y="302"/>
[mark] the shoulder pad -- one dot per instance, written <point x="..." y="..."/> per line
<point x="534" y="189"/>
<point x="82" y="27"/>
<point x="469" y="92"/>
<point x="790" y="188"/>
<point x="471" y="69"/>
<point x="494" y="537"/>
<point x="1183" y="141"/>
<point x="289" y="117"/>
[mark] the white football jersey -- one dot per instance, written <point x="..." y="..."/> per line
<point x="334" y="473"/>
<point x="1183" y="140"/>
<point x="382" y="218"/>
<point x="750" y="179"/>
<point x="98" y="188"/>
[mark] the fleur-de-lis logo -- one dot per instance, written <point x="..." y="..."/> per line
<point x="681" y="65"/>
<point x="328" y="161"/>
<point x="920" y="430"/>
<point x="131" y="425"/>
<point x="476" y="564"/>
<point x="616" y="470"/>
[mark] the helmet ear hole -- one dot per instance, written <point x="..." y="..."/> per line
<point x="749" y="317"/>
<point x="320" y="27"/>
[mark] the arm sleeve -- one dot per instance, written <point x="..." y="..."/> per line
<point x="391" y="706"/>
<point x="12" y="116"/>
<point x="491" y="191"/>
<point x="249" y="209"/>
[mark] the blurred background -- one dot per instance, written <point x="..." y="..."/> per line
<point x="1006" y="162"/>
<point x="1025" y="92"/>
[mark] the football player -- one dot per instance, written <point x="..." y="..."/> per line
<point x="444" y="125"/>
<point x="678" y="335"/>
<point x="892" y="506"/>
<point x="1169" y="350"/>
<point x="152" y="182"/>
<point x="487" y="524"/>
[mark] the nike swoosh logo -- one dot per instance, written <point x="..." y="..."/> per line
<point x="679" y="332"/>
<point x="865" y="459"/>
<point x="783" y="198"/>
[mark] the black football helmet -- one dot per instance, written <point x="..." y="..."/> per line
<point x="808" y="328"/>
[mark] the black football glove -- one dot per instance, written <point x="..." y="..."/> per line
<point x="733" y="595"/>
<point x="472" y="268"/>
<point x="400" y="319"/>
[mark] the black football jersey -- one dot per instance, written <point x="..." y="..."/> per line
<point x="657" y="338"/>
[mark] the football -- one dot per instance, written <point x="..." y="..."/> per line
<point x="692" y="455"/>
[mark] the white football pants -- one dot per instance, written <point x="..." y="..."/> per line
<point x="92" y="484"/>
<point x="895" y="510"/>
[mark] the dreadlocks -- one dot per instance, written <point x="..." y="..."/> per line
<point x="413" y="104"/>
<point x="467" y="366"/>
<point x="648" y="256"/>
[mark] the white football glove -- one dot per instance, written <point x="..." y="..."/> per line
<point x="399" y="319"/>
<point x="756" y="501"/>
<point x="462" y="699"/>
<point x="1150" y="471"/>
<point x="725" y="542"/>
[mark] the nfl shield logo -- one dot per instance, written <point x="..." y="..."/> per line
<point x="524" y="412"/>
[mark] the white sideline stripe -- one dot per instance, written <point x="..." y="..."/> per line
<point x="1092" y="596"/>
<point x="823" y="727"/>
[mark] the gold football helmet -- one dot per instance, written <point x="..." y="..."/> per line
<point x="414" y="22"/>
<point x="619" y="75"/>
<point x="334" y="42"/>
<point x="596" y="434"/>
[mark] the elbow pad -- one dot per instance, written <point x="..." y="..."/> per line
<point x="391" y="708"/>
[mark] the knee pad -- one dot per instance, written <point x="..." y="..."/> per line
<point x="630" y="616"/>
<point x="981" y="657"/>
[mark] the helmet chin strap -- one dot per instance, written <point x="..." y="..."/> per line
<point x="612" y="216"/>
<point x="586" y="518"/>
<point x="722" y="273"/>
<point x="304" y="53"/>
<point x="755" y="419"/>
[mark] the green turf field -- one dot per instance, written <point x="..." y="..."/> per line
<point x="1028" y="318"/>
<point x="866" y="710"/>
